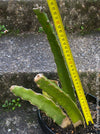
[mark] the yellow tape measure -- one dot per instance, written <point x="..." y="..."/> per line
<point x="69" y="59"/>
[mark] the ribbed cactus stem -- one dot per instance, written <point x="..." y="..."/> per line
<point x="62" y="69"/>
<point x="61" y="98"/>
<point x="45" y="93"/>
<point x="43" y="103"/>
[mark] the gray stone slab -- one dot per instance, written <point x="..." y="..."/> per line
<point x="28" y="53"/>
<point x="32" y="53"/>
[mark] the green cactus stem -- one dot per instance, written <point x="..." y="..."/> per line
<point x="45" y="93"/>
<point x="61" y="98"/>
<point x="62" y="69"/>
<point x="43" y="103"/>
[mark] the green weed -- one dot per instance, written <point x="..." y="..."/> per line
<point x="40" y="30"/>
<point x="3" y="30"/>
<point x="12" y="105"/>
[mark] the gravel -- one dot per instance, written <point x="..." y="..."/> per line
<point x="31" y="52"/>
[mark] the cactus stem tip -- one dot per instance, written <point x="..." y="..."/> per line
<point x="12" y="87"/>
<point x="37" y="77"/>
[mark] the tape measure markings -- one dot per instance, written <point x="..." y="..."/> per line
<point x="69" y="59"/>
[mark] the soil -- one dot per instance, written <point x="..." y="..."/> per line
<point x="70" y="130"/>
<point x="22" y="120"/>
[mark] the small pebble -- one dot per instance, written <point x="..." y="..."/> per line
<point x="9" y="130"/>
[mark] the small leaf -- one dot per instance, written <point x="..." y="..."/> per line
<point x="16" y="104"/>
<point x="19" y="105"/>
<point x="13" y="101"/>
<point x="41" y="29"/>
<point x="82" y="27"/>
<point x="18" y="99"/>
<point x="9" y="104"/>
<point x="6" y="102"/>
<point x="3" y="105"/>
<point x="13" y="108"/>
<point x="2" y="32"/>
<point x="5" y="29"/>
<point x="3" y="26"/>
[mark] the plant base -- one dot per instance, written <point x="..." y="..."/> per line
<point x="49" y="127"/>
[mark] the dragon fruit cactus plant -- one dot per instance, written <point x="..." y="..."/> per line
<point x="58" y="103"/>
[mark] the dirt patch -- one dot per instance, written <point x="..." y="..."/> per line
<point x="70" y="130"/>
<point x="20" y="121"/>
<point x="19" y="16"/>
